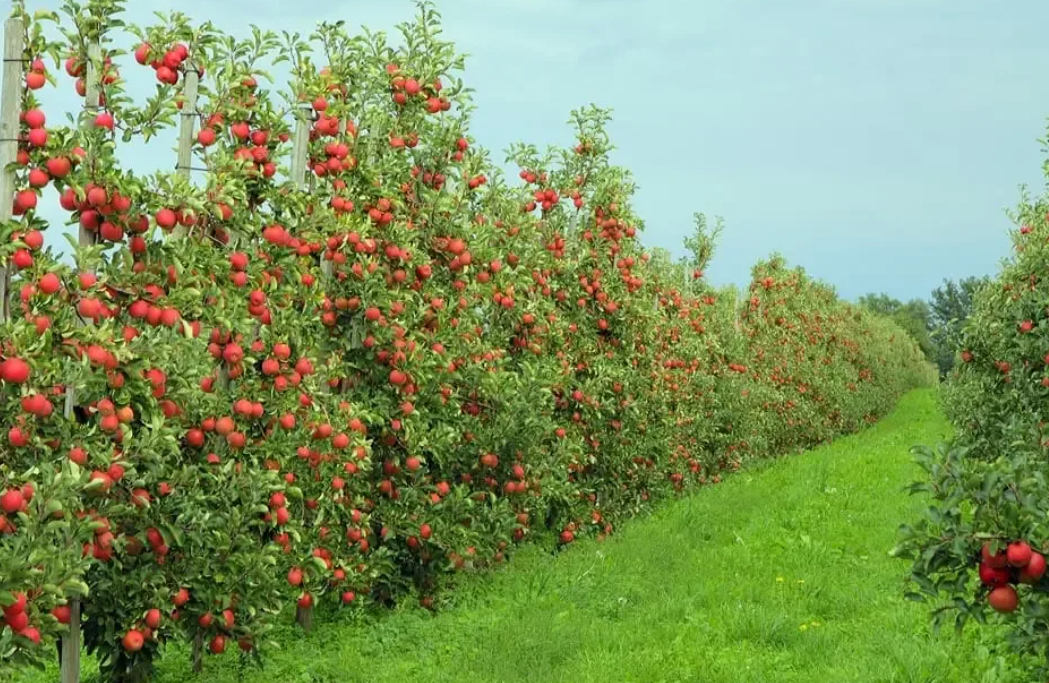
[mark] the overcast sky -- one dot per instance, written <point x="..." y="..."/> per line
<point x="877" y="143"/>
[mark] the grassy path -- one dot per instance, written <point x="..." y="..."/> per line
<point x="779" y="574"/>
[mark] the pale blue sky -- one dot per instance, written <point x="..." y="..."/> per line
<point x="874" y="142"/>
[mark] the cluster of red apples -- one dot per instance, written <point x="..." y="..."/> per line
<point x="1003" y="570"/>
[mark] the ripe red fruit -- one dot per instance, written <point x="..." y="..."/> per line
<point x="233" y="353"/>
<point x="49" y="283"/>
<point x="22" y="259"/>
<point x="12" y="501"/>
<point x="994" y="576"/>
<point x="25" y="200"/>
<point x="425" y="531"/>
<point x="1004" y="599"/>
<point x="142" y="53"/>
<point x="1018" y="554"/>
<point x="34" y="239"/>
<point x="104" y="120"/>
<point x="34" y="118"/>
<point x="36" y="138"/>
<point x="1034" y="570"/>
<point x="78" y="455"/>
<point x="217" y="645"/>
<point x="18" y="621"/>
<point x="166" y="219"/>
<point x="35" y="80"/>
<point x="62" y="613"/>
<point x="140" y="497"/>
<point x="152" y="618"/>
<point x="16" y="607"/>
<point x="195" y="438"/>
<point x="97" y="196"/>
<point x="304" y="367"/>
<point x="59" y="167"/>
<point x="89" y="307"/>
<point x="181" y="598"/>
<point x="295" y="576"/>
<point x="14" y="370"/>
<point x="32" y="633"/>
<point x="999" y="559"/>
<point x="38" y="177"/>
<point x="133" y="641"/>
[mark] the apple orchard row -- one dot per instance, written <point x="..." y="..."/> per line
<point x="980" y="549"/>
<point x="340" y="357"/>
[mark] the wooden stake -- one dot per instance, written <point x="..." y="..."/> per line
<point x="299" y="158"/>
<point x="304" y="617"/>
<point x="300" y="151"/>
<point x="71" y="642"/>
<point x="197" y="655"/>
<point x="10" y="104"/>
<point x="93" y="88"/>
<point x="327" y="266"/>
<point x="71" y="645"/>
<point x="93" y="91"/>
<point x="185" y="137"/>
<point x="184" y="169"/>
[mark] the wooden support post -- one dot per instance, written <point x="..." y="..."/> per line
<point x="184" y="168"/>
<point x="10" y="104"/>
<point x="91" y="96"/>
<point x="197" y="653"/>
<point x="299" y="159"/>
<point x="304" y="617"/>
<point x="185" y="136"/>
<point x="300" y="151"/>
<point x="573" y="222"/>
<point x="71" y="645"/>
<point x="70" y="660"/>
<point x="93" y="88"/>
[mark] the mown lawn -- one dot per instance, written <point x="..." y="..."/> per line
<point x="779" y="574"/>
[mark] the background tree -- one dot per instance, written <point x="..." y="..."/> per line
<point x="950" y="306"/>
<point x="915" y="316"/>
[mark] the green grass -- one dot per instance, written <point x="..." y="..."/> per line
<point x="779" y="574"/>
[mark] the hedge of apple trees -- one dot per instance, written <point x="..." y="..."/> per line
<point x="337" y="356"/>
<point x="980" y="549"/>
